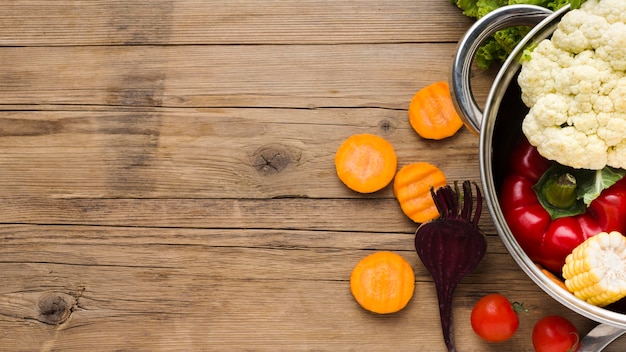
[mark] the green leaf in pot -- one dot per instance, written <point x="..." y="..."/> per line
<point x="497" y="48"/>
<point x="565" y="191"/>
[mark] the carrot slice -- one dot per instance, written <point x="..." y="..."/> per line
<point x="366" y="163"/>
<point x="411" y="188"/>
<point x="382" y="282"/>
<point x="432" y="114"/>
<point x="552" y="277"/>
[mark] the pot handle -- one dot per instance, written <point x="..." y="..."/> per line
<point x="485" y="27"/>
<point x="599" y="337"/>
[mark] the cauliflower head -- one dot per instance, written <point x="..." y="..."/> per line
<point x="575" y="87"/>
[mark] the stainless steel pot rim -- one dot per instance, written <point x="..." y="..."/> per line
<point x="487" y="125"/>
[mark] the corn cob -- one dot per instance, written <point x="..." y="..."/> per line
<point x="596" y="270"/>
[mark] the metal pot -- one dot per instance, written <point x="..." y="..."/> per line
<point x="499" y="127"/>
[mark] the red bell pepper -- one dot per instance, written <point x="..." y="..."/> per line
<point x="548" y="241"/>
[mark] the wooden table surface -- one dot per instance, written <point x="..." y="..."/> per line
<point x="167" y="176"/>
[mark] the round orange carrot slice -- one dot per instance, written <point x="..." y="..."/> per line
<point x="382" y="282"/>
<point x="432" y="114"/>
<point x="366" y="163"/>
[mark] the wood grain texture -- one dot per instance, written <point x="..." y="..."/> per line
<point x="204" y="153"/>
<point x="222" y="76"/>
<point x="167" y="178"/>
<point x="198" y="289"/>
<point x="169" y="22"/>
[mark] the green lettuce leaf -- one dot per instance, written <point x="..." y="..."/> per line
<point x="469" y="7"/>
<point x="500" y="45"/>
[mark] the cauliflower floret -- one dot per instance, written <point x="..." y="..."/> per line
<point x="586" y="122"/>
<point x="613" y="46"/>
<point x="618" y="95"/>
<point x="612" y="10"/>
<point x="538" y="72"/>
<point x="616" y="155"/>
<point x="560" y="142"/>
<point x="613" y="128"/>
<point x="590" y="6"/>
<point x="608" y="76"/>
<point x="531" y="127"/>
<point x="593" y="28"/>
<point x="539" y="79"/>
<point x="603" y="104"/>
<point x="570" y="35"/>
<point x="575" y="86"/>
<point x="550" y="110"/>
<point x="579" y="79"/>
<point x="580" y="104"/>
<point x="581" y="29"/>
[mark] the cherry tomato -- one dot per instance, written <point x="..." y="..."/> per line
<point x="494" y="319"/>
<point x="555" y="334"/>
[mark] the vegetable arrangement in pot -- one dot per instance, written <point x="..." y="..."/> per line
<point x="548" y="232"/>
<point x="565" y="183"/>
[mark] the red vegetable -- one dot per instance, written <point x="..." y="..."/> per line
<point x="451" y="246"/>
<point x="494" y="318"/>
<point x="545" y="239"/>
<point x="555" y="334"/>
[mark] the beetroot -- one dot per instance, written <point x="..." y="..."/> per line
<point x="451" y="246"/>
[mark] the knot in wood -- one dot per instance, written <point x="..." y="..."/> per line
<point x="270" y="160"/>
<point x="54" y="309"/>
<point x="386" y="126"/>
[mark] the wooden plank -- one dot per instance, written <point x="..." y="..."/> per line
<point x="277" y="76"/>
<point x="200" y="291"/>
<point x="215" y="153"/>
<point x="167" y="22"/>
<point x="350" y="216"/>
